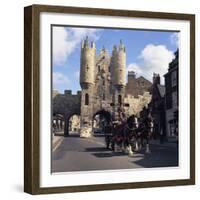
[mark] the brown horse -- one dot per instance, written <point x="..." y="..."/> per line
<point x="123" y="135"/>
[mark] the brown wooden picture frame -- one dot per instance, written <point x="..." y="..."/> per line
<point x="32" y="95"/>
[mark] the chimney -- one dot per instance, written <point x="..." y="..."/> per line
<point x="131" y="76"/>
<point x="156" y="78"/>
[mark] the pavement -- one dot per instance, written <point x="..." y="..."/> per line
<point x="85" y="154"/>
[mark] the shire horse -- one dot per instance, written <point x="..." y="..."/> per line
<point x="123" y="135"/>
<point x="145" y="132"/>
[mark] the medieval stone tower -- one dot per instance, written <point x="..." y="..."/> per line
<point x="102" y="80"/>
<point x="118" y="72"/>
<point x="87" y="82"/>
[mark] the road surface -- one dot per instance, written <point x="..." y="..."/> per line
<point x="86" y="154"/>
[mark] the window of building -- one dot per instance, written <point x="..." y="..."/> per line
<point x="87" y="68"/>
<point x="174" y="99"/>
<point x="120" y="99"/>
<point x="174" y="78"/>
<point x="86" y="99"/>
<point x="168" y="100"/>
<point x="141" y="83"/>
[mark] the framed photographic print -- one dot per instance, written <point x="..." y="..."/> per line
<point x="109" y="99"/>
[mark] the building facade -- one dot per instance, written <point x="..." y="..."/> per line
<point x="157" y="106"/>
<point x="171" y="97"/>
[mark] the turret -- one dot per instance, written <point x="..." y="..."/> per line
<point x="118" y="72"/>
<point x="119" y="65"/>
<point x="87" y="62"/>
<point x="113" y="62"/>
<point x="87" y="80"/>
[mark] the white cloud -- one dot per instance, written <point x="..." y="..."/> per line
<point x="174" y="39"/>
<point x="153" y="58"/>
<point x="66" y="40"/>
<point x="59" y="79"/>
<point x="134" y="67"/>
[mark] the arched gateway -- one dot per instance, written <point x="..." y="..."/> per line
<point x="67" y="105"/>
<point x="100" y="120"/>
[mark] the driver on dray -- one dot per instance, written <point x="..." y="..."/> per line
<point x="114" y="129"/>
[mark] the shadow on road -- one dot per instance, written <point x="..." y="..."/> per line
<point x="96" y="149"/>
<point x="75" y="135"/>
<point x="110" y="154"/>
<point x="159" y="157"/>
<point x="102" y="152"/>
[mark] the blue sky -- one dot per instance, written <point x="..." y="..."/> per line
<point x="146" y="51"/>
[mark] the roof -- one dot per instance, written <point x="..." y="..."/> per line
<point x="142" y="78"/>
<point x="161" y="89"/>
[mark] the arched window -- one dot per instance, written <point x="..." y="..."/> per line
<point x="120" y="99"/>
<point x="86" y="99"/>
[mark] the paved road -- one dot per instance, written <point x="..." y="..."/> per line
<point x="86" y="154"/>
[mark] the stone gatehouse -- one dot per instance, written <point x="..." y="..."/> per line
<point x="103" y="88"/>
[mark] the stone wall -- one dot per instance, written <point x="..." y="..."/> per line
<point x="137" y="104"/>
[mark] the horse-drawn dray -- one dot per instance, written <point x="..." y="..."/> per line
<point x="131" y="135"/>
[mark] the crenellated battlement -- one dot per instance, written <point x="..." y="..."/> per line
<point x="86" y="44"/>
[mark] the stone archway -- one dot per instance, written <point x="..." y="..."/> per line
<point x="74" y="125"/>
<point x="67" y="105"/>
<point x="103" y="117"/>
<point x="58" y="124"/>
<point x="104" y="113"/>
<point x="68" y="115"/>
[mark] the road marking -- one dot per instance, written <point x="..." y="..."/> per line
<point x="58" y="144"/>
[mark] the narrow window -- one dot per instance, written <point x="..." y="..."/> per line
<point x="120" y="99"/>
<point x="174" y="78"/>
<point x="87" y="68"/>
<point x="86" y="99"/>
<point x="112" y="104"/>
